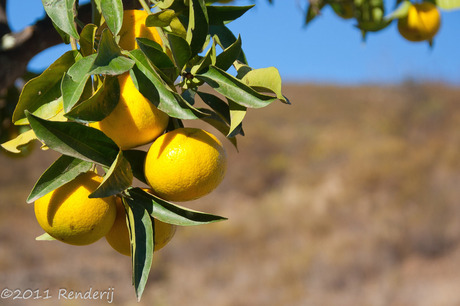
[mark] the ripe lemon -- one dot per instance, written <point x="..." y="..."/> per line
<point x="185" y="164"/>
<point x="421" y="23"/>
<point x="134" y="26"/>
<point x="135" y="120"/>
<point x="118" y="236"/>
<point x="68" y="215"/>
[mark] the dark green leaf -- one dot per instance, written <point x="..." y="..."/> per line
<point x="136" y="158"/>
<point x="100" y="105"/>
<point x="150" y="85"/>
<point x="87" y="36"/>
<point x="62" y="13"/>
<point x="180" y="50"/>
<point x="219" y="124"/>
<point x="76" y="140"/>
<point x="158" y="58"/>
<point x="234" y="89"/>
<point x="142" y="235"/>
<point x="168" y="212"/>
<point x="225" y="60"/>
<point x="112" y="10"/>
<point x="62" y="171"/>
<point x="219" y="15"/>
<point x="41" y="95"/>
<point x="109" y="59"/>
<point x="197" y="29"/>
<point x="206" y="61"/>
<point x="118" y="178"/>
<point x="217" y="104"/>
<point x="226" y="39"/>
<point x="74" y="81"/>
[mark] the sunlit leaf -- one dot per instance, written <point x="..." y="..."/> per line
<point x="86" y="41"/>
<point x="225" y="59"/>
<point x="237" y="114"/>
<point x="112" y="10"/>
<point x="62" y="13"/>
<point x="154" y="52"/>
<point x="197" y="29"/>
<point x="448" y="4"/>
<point x="45" y="237"/>
<point x="160" y="19"/>
<point x="265" y="80"/>
<point x="14" y="145"/>
<point x="219" y="15"/>
<point x="180" y="50"/>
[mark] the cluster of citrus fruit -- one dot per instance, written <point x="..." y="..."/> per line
<point x="181" y="164"/>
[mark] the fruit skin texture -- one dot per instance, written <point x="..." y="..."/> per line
<point x="118" y="236"/>
<point x="185" y="164"/>
<point x="135" y="120"/>
<point x="68" y="215"/>
<point x="134" y="26"/>
<point x="421" y="23"/>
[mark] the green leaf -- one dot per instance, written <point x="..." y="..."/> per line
<point x="180" y="49"/>
<point x="112" y="10"/>
<point x="219" y="124"/>
<point x="109" y="59"/>
<point x="225" y="59"/>
<point x="45" y="237"/>
<point x="217" y="104"/>
<point x="41" y="95"/>
<point x="142" y="235"/>
<point x="160" y="19"/>
<point x="74" y="81"/>
<point x="168" y="212"/>
<point x="448" y="4"/>
<point x="219" y="15"/>
<point x="76" y="140"/>
<point x="136" y="159"/>
<point x="154" y="52"/>
<point x="226" y="39"/>
<point x="62" y="13"/>
<point x="206" y="61"/>
<point x="237" y="114"/>
<point x="150" y="86"/>
<point x="100" y="105"/>
<point x="198" y="25"/>
<point x="87" y="36"/>
<point x="234" y="89"/>
<point x="265" y="79"/>
<point x="62" y="171"/>
<point x="118" y="178"/>
<point x="14" y="145"/>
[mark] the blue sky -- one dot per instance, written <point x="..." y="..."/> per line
<point x="329" y="50"/>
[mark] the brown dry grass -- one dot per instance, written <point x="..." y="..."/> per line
<point x="347" y="197"/>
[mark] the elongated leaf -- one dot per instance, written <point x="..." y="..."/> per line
<point x="109" y="59"/>
<point x="62" y="13"/>
<point x="226" y="39"/>
<point x="14" y="145"/>
<point x="168" y="212"/>
<point x="74" y="81"/>
<point x="265" y="79"/>
<point x="160" y="19"/>
<point x="180" y="49"/>
<point x="112" y="10"/>
<point x="100" y="105"/>
<point x="118" y="178"/>
<point x="219" y="124"/>
<point x="237" y="114"/>
<point x="141" y="232"/>
<point x="219" y="15"/>
<point x="206" y="61"/>
<point x="197" y="30"/>
<point x="136" y="159"/>
<point x="225" y="60"/>
<point x="217" y="104"/>
<point x="154" y="52"/>
<point x="87" y="36"/>
<point x="150" y="85"/>
<point x="62" y="171"/>
<point x="448" y="4"/>
<point x="234" y="89"/>
<point x="76" y="140"/>
<point x="41" y="95"/>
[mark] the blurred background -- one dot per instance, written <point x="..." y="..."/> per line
<point x="349" y="196"/>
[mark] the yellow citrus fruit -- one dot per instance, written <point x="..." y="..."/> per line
<point x="68" y="215"/>
<point x="118" y="236"/>
<point x="421" y="23"/>
<point x="135" y="120"/>
<point x="134" y="26"/>
<point x="185" y="164"/>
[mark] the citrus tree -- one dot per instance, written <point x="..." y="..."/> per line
<point x="137" y="74"/>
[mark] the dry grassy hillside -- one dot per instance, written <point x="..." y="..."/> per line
<point x="349" y="196"/>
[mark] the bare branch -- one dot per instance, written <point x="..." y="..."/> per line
<point x="4" y="27"/>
